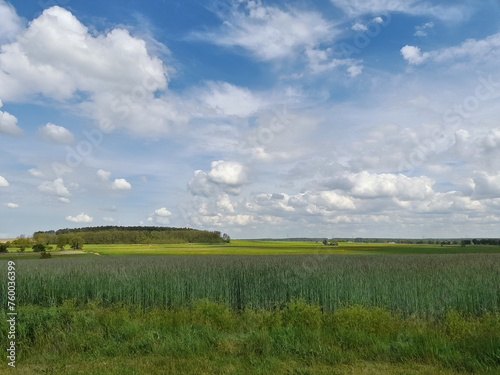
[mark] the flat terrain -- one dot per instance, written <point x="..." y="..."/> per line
<point x="257" y="307"/>
<point x="285" y="247"/>
<point x="264" y="247"/>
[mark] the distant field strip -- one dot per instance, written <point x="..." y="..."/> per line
<point x="284" y="247"/>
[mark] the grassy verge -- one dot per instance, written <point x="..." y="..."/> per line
<point x="211" y="338"/>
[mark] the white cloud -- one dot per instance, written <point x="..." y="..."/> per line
<point x="377" y="185"/>
<point x="163" y="212"/>
<point x="8" y="123"/>
<point x="108" y="219"/>
<point x="478" y="50"/>
<point x="55" y="187"/>
<point x="487" y="185"/>
<point x="121" y="184"/>
<point x="321" y="60"/>
<point x="356" y="8"/>
<point x="161" y="216"/>
<point x="54" y="133"/>
<point x="422" y="30"/>
<point x="12" y="205"/>
<point x="3" y="182"/>
<point x="413" y="55"/>
<point x="224" y="177"/>
<point x="117" y="184"/>
<point x="60" y="59"/>
<point x="10" y="23"/>
<point x="359" y="27"/>
<point x="271" y="33"/>
<point x="36" y="173"/>
<point x="200" y="185"/>
<point x="57" y="56"/>
<point x="103" y="175"/>
<point x="230" y="100"/>
<point x="63" y="200"/>
<point x="227" y="173"/>
<point x="81" y="218"/>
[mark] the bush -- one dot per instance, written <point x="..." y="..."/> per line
<point x="3" y="248"/>
<point x="45" y="255"/>
<point x="37" y="248"/>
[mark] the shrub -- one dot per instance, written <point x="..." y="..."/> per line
<point x="37" y="248"/>
<point x="45" y="255"/>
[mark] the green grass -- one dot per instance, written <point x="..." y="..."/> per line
<point x="211" y="338"/>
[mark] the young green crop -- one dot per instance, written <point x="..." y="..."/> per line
<point x="427" y="285"/>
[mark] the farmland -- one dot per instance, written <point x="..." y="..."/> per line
<point x="273" y="306"/>
<point x="285" y="247"/>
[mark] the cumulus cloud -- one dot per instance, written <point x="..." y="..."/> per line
<point x="36" y="173"/>
<point x="117" y="184"/>
<point x="55" y="187"/>
<point x="56" y="134"/>
<point x="108" y="219"/>
<point x="225" y="176"/>
<point x="121" y="184"/>
<point x="227" y="173"/>
<point x="8" y="123"/>
<point x="487" y="185"/>
<point x="3" y="182"/>
<point x="269" y="32"/>
<point x="161" y="216"/>
<point x="103" y="175"/>
<point x="70" y="58"/>
<point x="163" y="212"/>
<point x="413" y="55"/>
<point x="80" y="218"/>
<point x="10" y="23"/>
<point x="12" y="205"/>
<point x="57" y="57"/>
<point x="377" y="185"/>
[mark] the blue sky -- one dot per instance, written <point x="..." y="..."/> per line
<point x="369" y="118"/>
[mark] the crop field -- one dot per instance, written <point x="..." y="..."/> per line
<point x="411" y="284"/>
<point x="284" y="247"/>
<point x="274" y="307"/>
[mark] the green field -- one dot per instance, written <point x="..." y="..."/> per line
<point x="285" y="247"/>
<point x="258" y="307"/>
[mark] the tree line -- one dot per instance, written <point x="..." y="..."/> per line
<point x="127" y="235"/>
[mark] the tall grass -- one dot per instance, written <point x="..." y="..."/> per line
<point x="427" y="285"/>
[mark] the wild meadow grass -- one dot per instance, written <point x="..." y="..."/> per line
<point x="212" y="338"/>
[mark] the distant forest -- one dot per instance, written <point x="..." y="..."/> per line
<point x="131" y="235"/>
